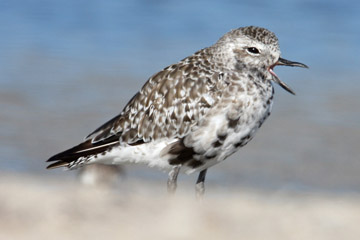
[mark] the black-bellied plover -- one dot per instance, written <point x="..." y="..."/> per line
<point x="192" y="114"/>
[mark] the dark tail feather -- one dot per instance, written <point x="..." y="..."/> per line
<point x="84" y="149"/>
<point x="57" y="164"/>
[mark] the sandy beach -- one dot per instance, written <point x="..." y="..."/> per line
<point x="44" y="208"/>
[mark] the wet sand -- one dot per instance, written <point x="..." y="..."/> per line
<point x="45" y="208"/>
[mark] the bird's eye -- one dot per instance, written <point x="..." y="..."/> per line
<point x="253" y="50"/>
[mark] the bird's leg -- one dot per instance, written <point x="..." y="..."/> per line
<point x="172" y="180"/>
<point x="200" y="185"/>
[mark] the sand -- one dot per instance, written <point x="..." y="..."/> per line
<point x="46" y="208"/>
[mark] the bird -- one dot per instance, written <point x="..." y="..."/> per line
<point x="192" y="114"/>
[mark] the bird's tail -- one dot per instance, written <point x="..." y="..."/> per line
<point x="80" y="154"/>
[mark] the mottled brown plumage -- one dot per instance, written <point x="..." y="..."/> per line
<point x="169" y="104"/>
<point x="192" y="114"/>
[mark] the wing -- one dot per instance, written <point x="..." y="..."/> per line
<point x="169" y="104"/>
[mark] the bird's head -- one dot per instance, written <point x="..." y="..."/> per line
<point x="255" y="50"/>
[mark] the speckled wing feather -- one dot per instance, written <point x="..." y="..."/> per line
<point x="169" y="104"/>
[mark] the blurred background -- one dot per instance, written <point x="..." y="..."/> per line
<point x="68" y="66"/>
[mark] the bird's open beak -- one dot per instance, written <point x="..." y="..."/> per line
<point x="284" y="62"/>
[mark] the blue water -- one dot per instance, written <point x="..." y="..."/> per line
<point x="145" y="35"/>
<point x="67" y="66"/>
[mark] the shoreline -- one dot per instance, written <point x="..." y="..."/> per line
<point x="38" y="207"/>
